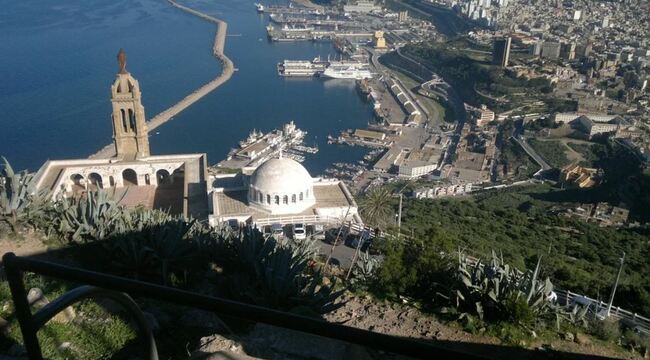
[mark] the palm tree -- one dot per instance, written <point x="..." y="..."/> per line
<point x="376" y="207"/>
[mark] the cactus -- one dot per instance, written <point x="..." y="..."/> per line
<point x="94" y="216"/>
<point x="364" y="269"/>
<point x="490" y="289"/>
<point x="279" y="274"/>
<point x="154" y="248"/>
<point x="18" y="202"/>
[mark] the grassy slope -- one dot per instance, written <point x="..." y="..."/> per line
<point x="578" y="256"/>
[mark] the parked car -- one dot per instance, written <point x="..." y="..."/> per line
<point x="353" y="242"/>
<point x="331" y="234"/>
<point x="277" y="231"/>
<point x="299" y="232"/>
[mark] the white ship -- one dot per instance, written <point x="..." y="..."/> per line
<point x="302" y="67"/>
<point x="348" y="70"/>
<point x="260" y="7"/>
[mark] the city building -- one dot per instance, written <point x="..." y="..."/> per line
<point x="577" y="14"/>
<point x="501" y="51"/>
<point x="442" y="191"/>
<point x="578" y="176"/>
<point x="565" y="118"/>
<point x="604" y="214"/>
<point x="485" y="116"/>
<point x="568" y="51"/>
<point x="550" y="50"/>
<point x="378" y="40"/>
<point x="361" y="6"/>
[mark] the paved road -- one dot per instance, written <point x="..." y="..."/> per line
<point x="530" y="151"/>
<point x="342" y="254"/>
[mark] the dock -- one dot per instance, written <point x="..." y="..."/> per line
<point x="258" y="147"/>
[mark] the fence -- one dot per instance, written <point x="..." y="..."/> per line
<point x="598" y="307"/>
<point x="105" y="285"/>
<point x="298" y="219"/>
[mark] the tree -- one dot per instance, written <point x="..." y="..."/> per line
<point x="630" y="79"/>
<point x="376" y="207"/>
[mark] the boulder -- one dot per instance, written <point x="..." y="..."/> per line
<point x="296" y="344"/>
<point x="568" y="336"/>
<point x="216" y="343"/>
<point x="35" y="297"/>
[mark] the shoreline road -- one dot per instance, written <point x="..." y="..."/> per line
<point x="228" y="69"/>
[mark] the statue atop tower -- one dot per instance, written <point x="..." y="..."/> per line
<point x="121" y="59"/>
<point x="130" y="133"/>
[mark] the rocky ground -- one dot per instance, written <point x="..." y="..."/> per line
<point x="268" y="342"/>
<point x="264" y="341"/>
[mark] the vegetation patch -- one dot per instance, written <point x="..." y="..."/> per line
<point x="554" y="152"/>
<point x="478" y="82"/>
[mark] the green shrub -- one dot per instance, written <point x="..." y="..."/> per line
<point x="636" y="341"/>
<point x="520" y="313"/>
<point x="510" y="334"/>
<point x="608" y="329"/>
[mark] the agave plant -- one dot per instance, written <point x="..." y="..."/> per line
<point x="276" y="273"/>
<point x="93" y="216"/>
<point x="364" y="269"/>
<point x="490" y="289"/>
<point x="17" y="202"/>
<point x="140" y="218"/>
<point x="577" y="315"/>
<point x="155" y="248"/>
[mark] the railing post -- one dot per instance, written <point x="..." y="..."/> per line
<point x="23" y="311"/>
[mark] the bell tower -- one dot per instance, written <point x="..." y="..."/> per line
<point x="130" y="132"/>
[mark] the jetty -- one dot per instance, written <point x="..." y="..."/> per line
<point x="228" y="69"/>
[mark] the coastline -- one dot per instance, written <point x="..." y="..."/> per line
<point x="227" y="71"/>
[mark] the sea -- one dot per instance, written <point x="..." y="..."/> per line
<point x="58" y="61"/>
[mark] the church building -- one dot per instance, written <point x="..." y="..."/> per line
<point x="279" y="190"/>
<point x="132" y="176"/>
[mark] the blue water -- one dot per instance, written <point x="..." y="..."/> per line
<point x="58" y="62"/>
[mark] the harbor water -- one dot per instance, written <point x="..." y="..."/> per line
<point x="55" y="94"/>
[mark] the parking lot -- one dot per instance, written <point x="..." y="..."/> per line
<point x="342" y="254"/>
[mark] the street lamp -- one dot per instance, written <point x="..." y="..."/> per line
<point x="618" y="276"/>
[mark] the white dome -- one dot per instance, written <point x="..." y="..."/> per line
<point x="281" y="186"/>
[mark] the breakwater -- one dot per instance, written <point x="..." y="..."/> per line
<point x="226" y="73"/>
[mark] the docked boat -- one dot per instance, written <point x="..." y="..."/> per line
<point x="348" y="70"/>
<point x="301" y="68"/>
<point x="260" y="7"/>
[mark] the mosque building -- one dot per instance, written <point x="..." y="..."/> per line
<point x="279" y="190"/>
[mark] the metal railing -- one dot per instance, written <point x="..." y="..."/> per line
<point x="117" y="287"/>
<point x="598" y="307"/>
<point x="298" y="219"/>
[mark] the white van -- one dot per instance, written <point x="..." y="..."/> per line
<point x="299" y="232"/>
